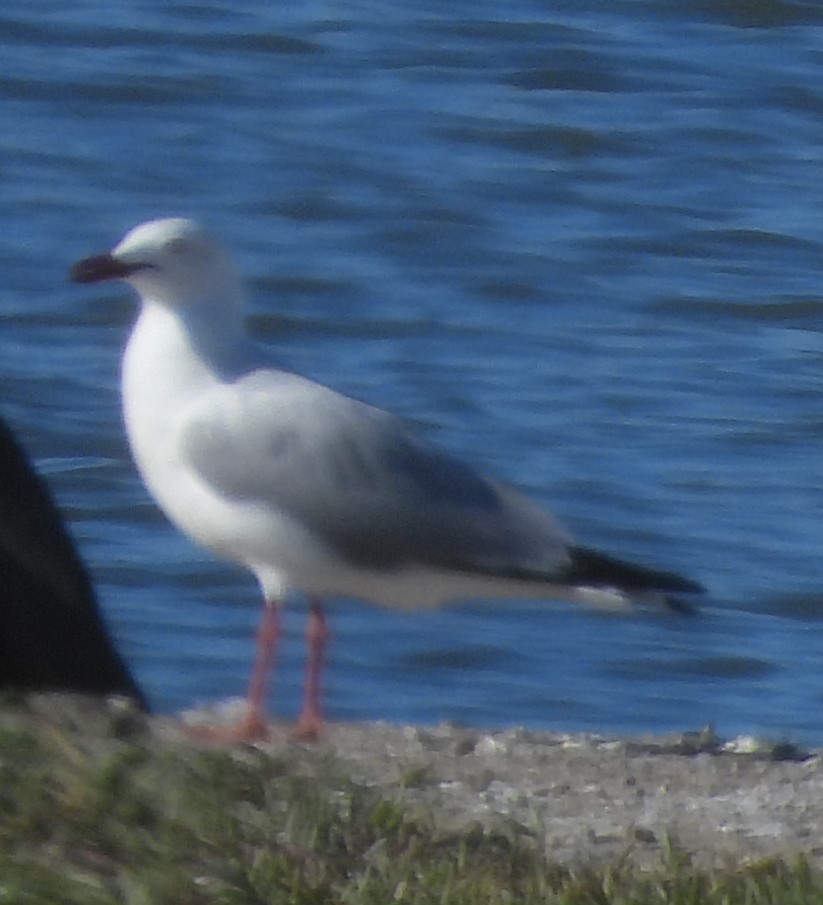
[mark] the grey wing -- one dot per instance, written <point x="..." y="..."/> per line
<point x="359" y="479"/>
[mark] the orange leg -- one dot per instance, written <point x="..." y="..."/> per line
<point x="268" y="635"/>
<point x="252" y="726"/>
<point x="310" y="722"/>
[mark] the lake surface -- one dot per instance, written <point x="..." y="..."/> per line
<point x="579" y="244"/>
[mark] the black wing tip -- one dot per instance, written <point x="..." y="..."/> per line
<point x="591" y="567"/>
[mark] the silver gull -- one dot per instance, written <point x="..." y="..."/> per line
<point x="311" y="490"/>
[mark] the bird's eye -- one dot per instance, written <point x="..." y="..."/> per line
<point x="178" y="246"/>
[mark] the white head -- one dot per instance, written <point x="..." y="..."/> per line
<point x="173" y="261"/>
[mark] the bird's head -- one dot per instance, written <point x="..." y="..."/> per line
<point x="173" y="261"/>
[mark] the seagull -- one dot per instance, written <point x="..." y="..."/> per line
<point x="311" y="490"/>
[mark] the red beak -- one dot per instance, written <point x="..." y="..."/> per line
<point x="98" y="268"/>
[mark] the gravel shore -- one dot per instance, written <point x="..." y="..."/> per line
<point x="587" y="797"/>
<point x="594" y="798"/>
<point x="583" y="797"/>
<point x="590" y="798"/>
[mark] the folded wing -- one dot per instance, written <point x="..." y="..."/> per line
<point x="356" y="477"/>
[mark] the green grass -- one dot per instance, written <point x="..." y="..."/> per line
<point x="99" y="820"/>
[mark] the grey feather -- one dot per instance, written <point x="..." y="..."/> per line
<point x="358" y="478"/>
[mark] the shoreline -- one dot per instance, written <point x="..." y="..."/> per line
<point x="579" y="798"/>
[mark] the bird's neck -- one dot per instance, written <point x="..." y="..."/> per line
<point x="208" y="336"/>
<point x="169" y="362"/>
<point x="172" y="357"/>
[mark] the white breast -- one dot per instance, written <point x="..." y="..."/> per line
<point x="162" y="378"/>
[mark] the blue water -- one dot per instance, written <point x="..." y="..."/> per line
<point x="580" y="244"/>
